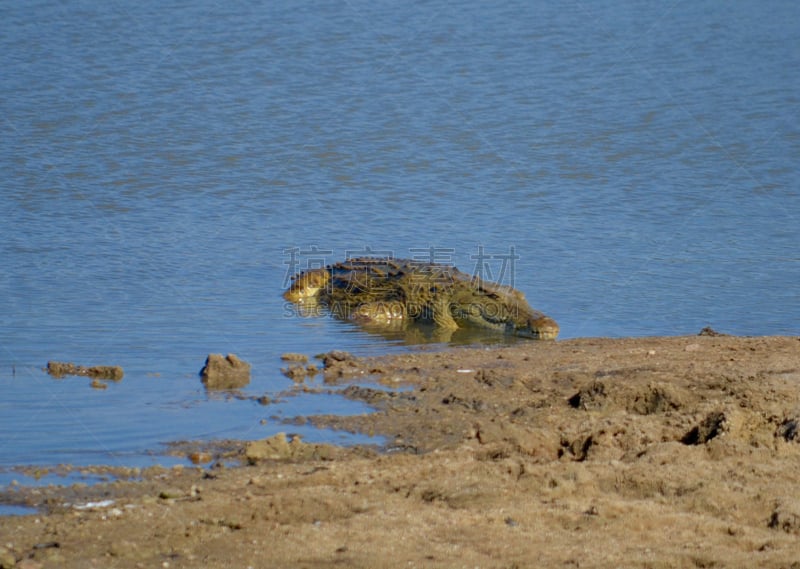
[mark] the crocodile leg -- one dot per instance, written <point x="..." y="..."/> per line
<point x="440" y="314"/>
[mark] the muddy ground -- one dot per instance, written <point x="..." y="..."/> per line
<point x="656" y="452"/>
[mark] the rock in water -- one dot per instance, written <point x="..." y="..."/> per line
<point x="281" y="447"/>
<point x="60" y="369"/>
<point x="225" y="372"/>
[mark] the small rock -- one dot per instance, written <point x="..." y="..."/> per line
<point x="709" y="331"/>
<point x="291" y="357"/>
<point x="113" y="373"/>
<point x="279" y="447"/>
<point x="123" y="548"/>
<point x="296" y="373"/>
<point x="227" y="372"/>
<point x="170" y="494"/>
<point x="60" y="369"/>
<point x="786" y="516"/>
<point x="7" y="559"/>
<point x="200" y="457"/>
<point x="275" y="447"/>
<point x="692" y="348"/>
<point x="330" y="358"/>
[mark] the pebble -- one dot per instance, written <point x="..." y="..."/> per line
<point x="200" y="457"/>
<point x="7" y="558"/>
<point x="170" y="494"/>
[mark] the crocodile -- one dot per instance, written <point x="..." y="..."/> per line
<point x="387" y="292"/>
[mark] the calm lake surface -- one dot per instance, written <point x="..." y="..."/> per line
<point x="632" y="167"/>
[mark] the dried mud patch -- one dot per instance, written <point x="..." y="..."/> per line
<point x="656" y="452"/>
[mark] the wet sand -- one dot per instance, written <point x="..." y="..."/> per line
<point x="648" y="452"/>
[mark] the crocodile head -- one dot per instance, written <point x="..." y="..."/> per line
<point x="307" y="286"/>
<point x="537" y="326"/>
<point x="502" y="309"/>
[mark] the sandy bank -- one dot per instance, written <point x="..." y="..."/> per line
<point x="654" y="452"/>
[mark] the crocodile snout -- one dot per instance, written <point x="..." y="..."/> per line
<point x="543" y="328"/>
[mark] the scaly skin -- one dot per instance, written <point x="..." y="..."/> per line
<point x="394" y="292"/>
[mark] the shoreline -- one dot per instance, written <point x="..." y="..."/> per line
<point x="644" y="452"/>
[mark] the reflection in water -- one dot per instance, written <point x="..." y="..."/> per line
<point x="402" y="333"/>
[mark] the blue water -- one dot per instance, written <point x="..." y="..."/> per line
<point x="632" y="167"/>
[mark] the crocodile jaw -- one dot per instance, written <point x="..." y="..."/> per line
<point x="514" y="320"/>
